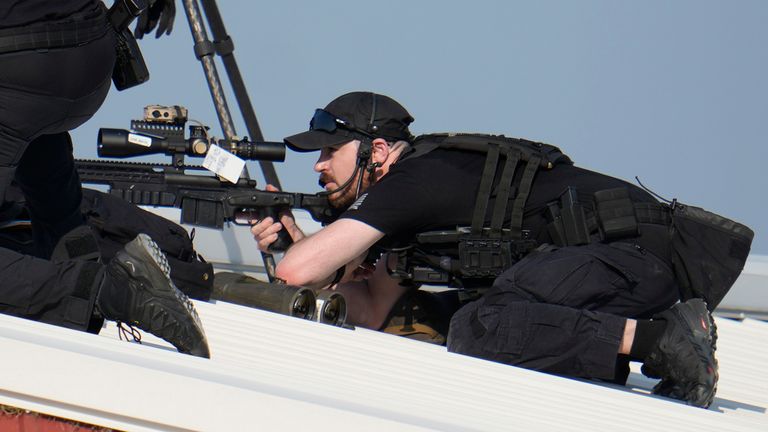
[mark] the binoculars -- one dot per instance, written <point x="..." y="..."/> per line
<point x="327" y="307"/>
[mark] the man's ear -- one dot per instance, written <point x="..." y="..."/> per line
<point x="379" y="151"/>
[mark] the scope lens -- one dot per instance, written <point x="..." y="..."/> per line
<point x="266" y="151"/>
<point x="304" y="305"/>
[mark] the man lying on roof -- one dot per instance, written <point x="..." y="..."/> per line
<point x="580" y="304"/>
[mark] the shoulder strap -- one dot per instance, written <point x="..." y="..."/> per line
<point x="518" y="208"/>
<point x="484" y="191"/>
<point x="504" y="192"/>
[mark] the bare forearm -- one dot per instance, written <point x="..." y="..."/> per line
<point x="315" y="259"/>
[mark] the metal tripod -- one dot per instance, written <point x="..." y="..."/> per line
<point x="223" y="46"/>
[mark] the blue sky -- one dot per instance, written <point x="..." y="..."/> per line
<point x="673" y="92"/>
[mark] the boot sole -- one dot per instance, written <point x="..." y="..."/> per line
<point x="144" y="261"/>
<point x="699" y="326"/>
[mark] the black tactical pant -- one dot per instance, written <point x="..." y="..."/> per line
<point x="44" y="94"/>
<point x="563" y="311"/>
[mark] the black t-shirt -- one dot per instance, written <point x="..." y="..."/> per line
<point x="437" y="191"/>
<point x="15" y="13"/>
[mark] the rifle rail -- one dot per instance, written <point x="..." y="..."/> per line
<point x="204" y="200"/>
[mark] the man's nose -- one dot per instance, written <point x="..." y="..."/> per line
<point x="321" y="164"/>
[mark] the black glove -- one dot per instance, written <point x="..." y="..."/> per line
<point x="162" y="11"/>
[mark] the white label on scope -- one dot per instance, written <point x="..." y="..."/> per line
<point x="139" y="139"/>
<point x="224" y="163"/>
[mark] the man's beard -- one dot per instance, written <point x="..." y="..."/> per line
<point x="345" y="197"/>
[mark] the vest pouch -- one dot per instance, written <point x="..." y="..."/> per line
<point x="567" y="221"/>
<point x="616" y="214"/>
<point x="708" y="252"/>
<point x="484" y="257"/>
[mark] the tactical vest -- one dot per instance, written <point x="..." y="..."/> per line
<point x="480" y="251"/>
<point x="708" y="251"/>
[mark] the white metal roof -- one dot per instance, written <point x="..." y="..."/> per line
<point x="280" y="373"/>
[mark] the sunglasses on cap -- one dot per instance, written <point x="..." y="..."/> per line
<point x="327" y="122"/>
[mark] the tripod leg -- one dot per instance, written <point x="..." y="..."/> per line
<point x="204" y="50"/>
<point x="225" y="48"/>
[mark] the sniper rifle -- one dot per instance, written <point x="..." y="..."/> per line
<point x="204" y="199"/>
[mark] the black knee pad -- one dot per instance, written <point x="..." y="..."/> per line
<point x="79" y="244"/>
<point x="494" y="331"/>
<point x="77" y="309"/>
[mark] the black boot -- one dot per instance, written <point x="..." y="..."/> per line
<point x="138" y="291"/>
<point x="684" y="356"/>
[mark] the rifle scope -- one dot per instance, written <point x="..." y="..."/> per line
<point x="121" y="143"/>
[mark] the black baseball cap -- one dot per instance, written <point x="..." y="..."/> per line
<point x="356" y="115"/>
